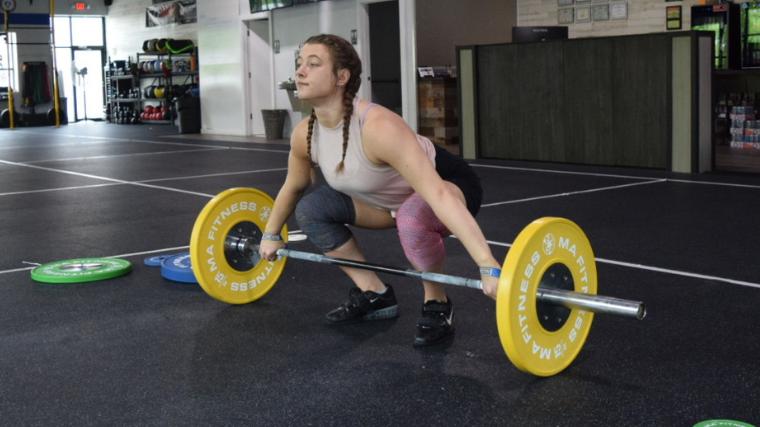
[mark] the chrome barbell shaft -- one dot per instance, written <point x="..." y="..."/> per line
<point x="576" y="300"/>
<point x="594" y="303"/>
<point x="424" y="275"/>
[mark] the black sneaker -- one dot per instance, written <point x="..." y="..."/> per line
<point x="365" y="305"/>
<point x="435" y="326"/>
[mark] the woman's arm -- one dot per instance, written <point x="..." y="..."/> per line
<point x="388" y="139"/>
<point x="298" y="178"/>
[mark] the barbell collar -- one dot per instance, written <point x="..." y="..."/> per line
<point x="574" y="300"/>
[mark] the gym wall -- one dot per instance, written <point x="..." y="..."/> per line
<point x="222" y="60"/>
<point x="31" y="23"/>
<point x="126" y="30"/>
<point x="644" y="16"/>
<point x="93" y="8"/>
<point x="294" y="25"/>
<point x="444" y="24"/>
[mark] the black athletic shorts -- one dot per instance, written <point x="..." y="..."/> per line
<point x="455" y="170"/>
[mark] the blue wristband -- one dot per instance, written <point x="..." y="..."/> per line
<point x="271" y="237"/>
<point x="490" y="271"/>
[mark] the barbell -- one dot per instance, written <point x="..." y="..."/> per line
<point x="545" y="301"/>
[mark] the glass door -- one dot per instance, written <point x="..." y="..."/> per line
<point x="80" y="57"/>
<point x="87" y="75"/>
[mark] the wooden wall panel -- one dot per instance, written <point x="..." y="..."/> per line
<point x="599" y="101"/>
<point x="541" y="101"/>
<point x="588" y="99"/>
<point x="641" y="75"/>
<point x="497" y="100"/>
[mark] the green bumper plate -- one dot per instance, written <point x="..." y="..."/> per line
<point x="81" y="270"/>
<point x="722" y="423"/>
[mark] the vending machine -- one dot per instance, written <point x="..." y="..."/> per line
<point x="750" y="38"/>
<point x="723" y="20"/>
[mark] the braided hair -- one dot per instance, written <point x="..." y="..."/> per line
<point x="343" y="56"/>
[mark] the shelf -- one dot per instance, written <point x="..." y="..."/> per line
<point x="152" y="75"/>
<point x="118" y="83"/>
<point x="164" y="53"/>
<point x="138" y="100"/>
<point x="169" y="74"/>
<point x="139" y="54"/>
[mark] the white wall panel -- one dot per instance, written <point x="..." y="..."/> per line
<point x="222" y="111"/>
<point x="221" y="68"/>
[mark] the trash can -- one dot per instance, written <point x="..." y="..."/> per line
<point x="274" y="122"/>
<point x="189" y="114"/>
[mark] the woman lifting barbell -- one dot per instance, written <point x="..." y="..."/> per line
<point x="380" y="175"/>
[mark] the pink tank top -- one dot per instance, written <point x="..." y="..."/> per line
<point x="380" y="186"/>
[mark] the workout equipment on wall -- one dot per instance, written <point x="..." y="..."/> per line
<point x="545" y="303"/>
<point x="170" y="45"/>
<point x="152" y="78"/>
<point x="36" y="89"/>
<point x="35" y="83"/>
<point x="179" y="46"/>
<point x="8" y="7"/>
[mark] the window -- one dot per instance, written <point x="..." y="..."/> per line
<point x="62" y="32"/>
<point x="78" y="31"/>
<point x="86" y="31"/>
<point x="8" y="60"/>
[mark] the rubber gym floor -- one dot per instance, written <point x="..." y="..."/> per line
<point x="141" y="350"/>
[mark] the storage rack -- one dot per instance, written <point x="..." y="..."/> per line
<point x="135" y="81"/>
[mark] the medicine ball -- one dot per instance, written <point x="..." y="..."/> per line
<point x="51" y="116"/>
<point x="5" y="118"/>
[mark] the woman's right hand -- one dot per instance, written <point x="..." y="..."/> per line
<point x="490" y="286"/>
<point x="268" y="249"/>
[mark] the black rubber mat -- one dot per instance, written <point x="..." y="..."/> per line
<point x="140" y="350"/>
